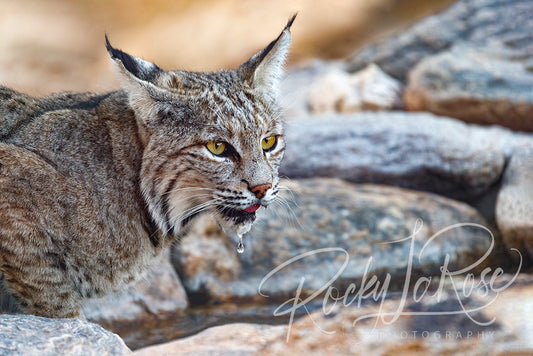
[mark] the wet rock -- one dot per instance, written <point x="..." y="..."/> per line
<point x="158" y="295"/>
<point x="32" y="335"/>
<point x="476" y="85"/>
<point x="417" y="151"/>
<point x="514" y="208"/>
<point x="356" y="224"/>
<point x="501" y="326"/>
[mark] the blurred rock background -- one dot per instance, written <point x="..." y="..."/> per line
<point x="397" y="110"/>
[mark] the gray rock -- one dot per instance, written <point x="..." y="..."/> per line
<point x="159" y="295"/>
<point x="476" y="22"/>
<point x="321" y="87"/>
<point x="297" y="85"/>
<point x="417" y="151"/>
<point x="471" y="62"/>
<point x="514" y="207"/>
<point x="32" y="335"/>
<point x="359" y="221"/>
<point x="225" y="340"/>
<point x="478" y="85"/>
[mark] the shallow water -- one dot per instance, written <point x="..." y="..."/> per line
<point x="195" y="320"/>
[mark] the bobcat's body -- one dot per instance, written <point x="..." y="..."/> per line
<point x="92" y="187"/>
<point x="70" y="198"/>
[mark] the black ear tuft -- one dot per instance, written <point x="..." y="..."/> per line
<point x="273" y="43"/>
<point x="263" y="71"/>
<point x="291" y="20"/>
<point x="126" y="59"/>
<point x="138" y="67"/>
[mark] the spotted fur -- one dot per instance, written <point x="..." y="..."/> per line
<point x="93" y="186"/>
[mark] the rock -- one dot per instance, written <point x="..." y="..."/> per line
<point x="321" y="87"/>
<point x="417" y="151"/>
<point x="158" y="296"/>
<point x="357" y="223"/>
<point x="229" y="339"/>
<point x="476" y="85"/>
<point x="32" y="335"/>
<point x="476" y="67"/>
<point x="501" y="326"/>
<point x="514" y="207"/>
<point x="339" y="91"/>
<point x="297" y="83"/>
<point x="476" y="22"/>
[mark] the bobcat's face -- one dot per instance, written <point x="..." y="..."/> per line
<point x="213" y="141"/>
<point x="217" y="152"/>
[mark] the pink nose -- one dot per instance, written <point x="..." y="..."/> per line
<point x="260" y="190"/>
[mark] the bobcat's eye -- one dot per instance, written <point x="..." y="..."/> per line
<point x="269" y="143"/>
<point x="216" y="148"/>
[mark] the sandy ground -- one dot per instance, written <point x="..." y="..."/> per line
<point x="58" y="45"/>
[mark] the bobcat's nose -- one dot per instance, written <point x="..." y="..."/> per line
<point x="260" y="190"/>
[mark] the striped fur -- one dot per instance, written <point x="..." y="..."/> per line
<point x="92" y="187"/>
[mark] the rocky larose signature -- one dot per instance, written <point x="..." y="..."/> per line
<point x="377" y="290"/>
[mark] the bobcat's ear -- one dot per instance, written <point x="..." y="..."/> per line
<point x="264" y="70"/>
<point x="140" y="79"/>
<point x="133" y="67"/>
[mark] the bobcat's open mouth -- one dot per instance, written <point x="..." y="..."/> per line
<point x="239" y="216"/>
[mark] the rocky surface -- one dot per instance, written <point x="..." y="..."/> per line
<point x="159" y="295"/>
<point x="514" y="208"/>
<point x="476" y="66"/>
<point x="339" y="230"/>
<point x="298" y="82"/>
<point x="473" y="22"/>
<point x="417" y="151"/>
<point x="323" y="87"/>
<point x="31" y="335"/>
<point x="479" y="85"/>
<point x="492" y="320"/>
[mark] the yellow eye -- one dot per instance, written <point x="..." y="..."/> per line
<point x="269" y="143"/>
<point x="216" y="148"/>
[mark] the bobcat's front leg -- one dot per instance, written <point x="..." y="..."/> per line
<point x="36" y="279"/>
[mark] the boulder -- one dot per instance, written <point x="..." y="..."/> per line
<point x="411" y="150"/>
<point x="338" y="229"/>
<point x="324" y="88"/>
<point x="32" y="335"/>
<point x="298" y="82"/>
<point x="514" y="206"/>
<point x="472" y="22"/>
<point x="478" y="85"/>
<point x="230" y="339"/>
<point x="476" y="66"/>
<point x="432" y="325"/>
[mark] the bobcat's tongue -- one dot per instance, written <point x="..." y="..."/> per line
<point x="252" y="208"/>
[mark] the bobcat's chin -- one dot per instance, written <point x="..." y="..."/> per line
<point x="235" y="220"/>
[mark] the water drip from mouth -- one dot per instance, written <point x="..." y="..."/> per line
<point x="240" y="245"/>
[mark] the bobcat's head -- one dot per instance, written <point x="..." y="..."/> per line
<point x="213" y="141"/>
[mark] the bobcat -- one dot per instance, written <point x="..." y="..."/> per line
<point x="92" y="187"/>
